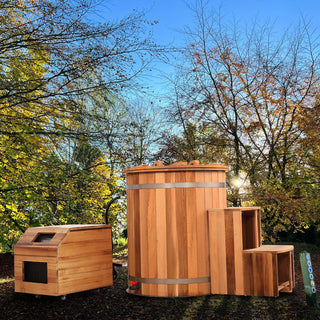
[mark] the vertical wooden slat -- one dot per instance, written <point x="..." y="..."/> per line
<point x="259" y="226"/>
<point x="275" y="278"/>
<point x="181" y="209"/>
<point x="202" y="235"/>
<point x="172" y="239"/>
<point x="229" y="238"/>
<point x="144" y="232"/>
<point x="222" y="191"/>
<point x="153" y="232"/>
<point x="133" y="228"/>
<point x="218" y="259"/>
<point x="256" y="275"/>
<point x="161" y="234"/>
<point x="136" y="230"/>
<point x="248" y="274"/>
<point x="292" y="270"/>
<point x="238" y="255"/>
<point x="256" y="229"/>
<point x="191" y="220"/>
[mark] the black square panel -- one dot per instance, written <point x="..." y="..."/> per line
<point x="35" y="272"/>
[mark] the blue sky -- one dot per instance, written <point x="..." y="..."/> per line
<point x="174" y="15"/>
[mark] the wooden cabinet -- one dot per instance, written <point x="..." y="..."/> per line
<point x="59" y="260"/>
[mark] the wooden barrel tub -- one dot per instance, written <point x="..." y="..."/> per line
<point x="168" y="245"/>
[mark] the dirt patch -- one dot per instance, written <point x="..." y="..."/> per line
<point x="114" y="303"/>
<point x="6" y="266"/>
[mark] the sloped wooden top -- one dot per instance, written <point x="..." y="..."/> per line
<point x="178" y="166"/>
<point x="60" y="232"/>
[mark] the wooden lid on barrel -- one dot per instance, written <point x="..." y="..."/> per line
<point x="178" y="166"/>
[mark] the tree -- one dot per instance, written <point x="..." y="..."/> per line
<point x="253" y="90"/>
<point x="55" y="62"/>
<point x="50" y="56"/>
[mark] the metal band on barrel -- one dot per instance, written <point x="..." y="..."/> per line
<point x="170" y="281"/>
<point x="177" y="185"/>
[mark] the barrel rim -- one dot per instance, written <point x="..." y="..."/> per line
<point x="177" y="167"/>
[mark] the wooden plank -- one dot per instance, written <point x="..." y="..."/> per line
<point x="229" y="238"/>
<point x="82" y="261"/>
<point x="263" y="274"/>
<point x="37" y="288"/>
<point x="137" y="231"/>
<point x="208" y="204"/>
<point x="202" y="235"/>
<point x="40" y="251"/>
<point x="144" y="209"/>
<point x="243" y="209"/>
<point x="181" y="209"/>
<point x="97" y="280"/>
<point x="269" y="276"/>
<point x="258" y="212"/>
<point x="257" y="268"/>
<point x="161" y="234"/>
<point x="292" y="279"/>
<point x="133" y="227"/>
<point x="238" y="254"/>
<point x="83" y="236"/>
<point x="81" y="248"/>
<point x="218" y="259"/>
<point x="256" y="229"/>
<point x="48" y="229"/>
<point x="152" y="227"/>
<point x="248" y="279"/>
<point x="272" y="248"/>
<point x="131" y="224"/>
<point x="222" y="191"/>
<point x="19" y="258"/>
<point x="92" y="263"/>
<point x="191" y="236"/>
<point x="84" y="271"/>
<point x="172" y="238"/>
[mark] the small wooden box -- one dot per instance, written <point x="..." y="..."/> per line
<point x="59" y="260"/>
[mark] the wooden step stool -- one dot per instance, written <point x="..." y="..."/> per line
<point x="239" y="264"/>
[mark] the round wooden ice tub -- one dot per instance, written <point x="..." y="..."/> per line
<point x="168" y="248"/>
